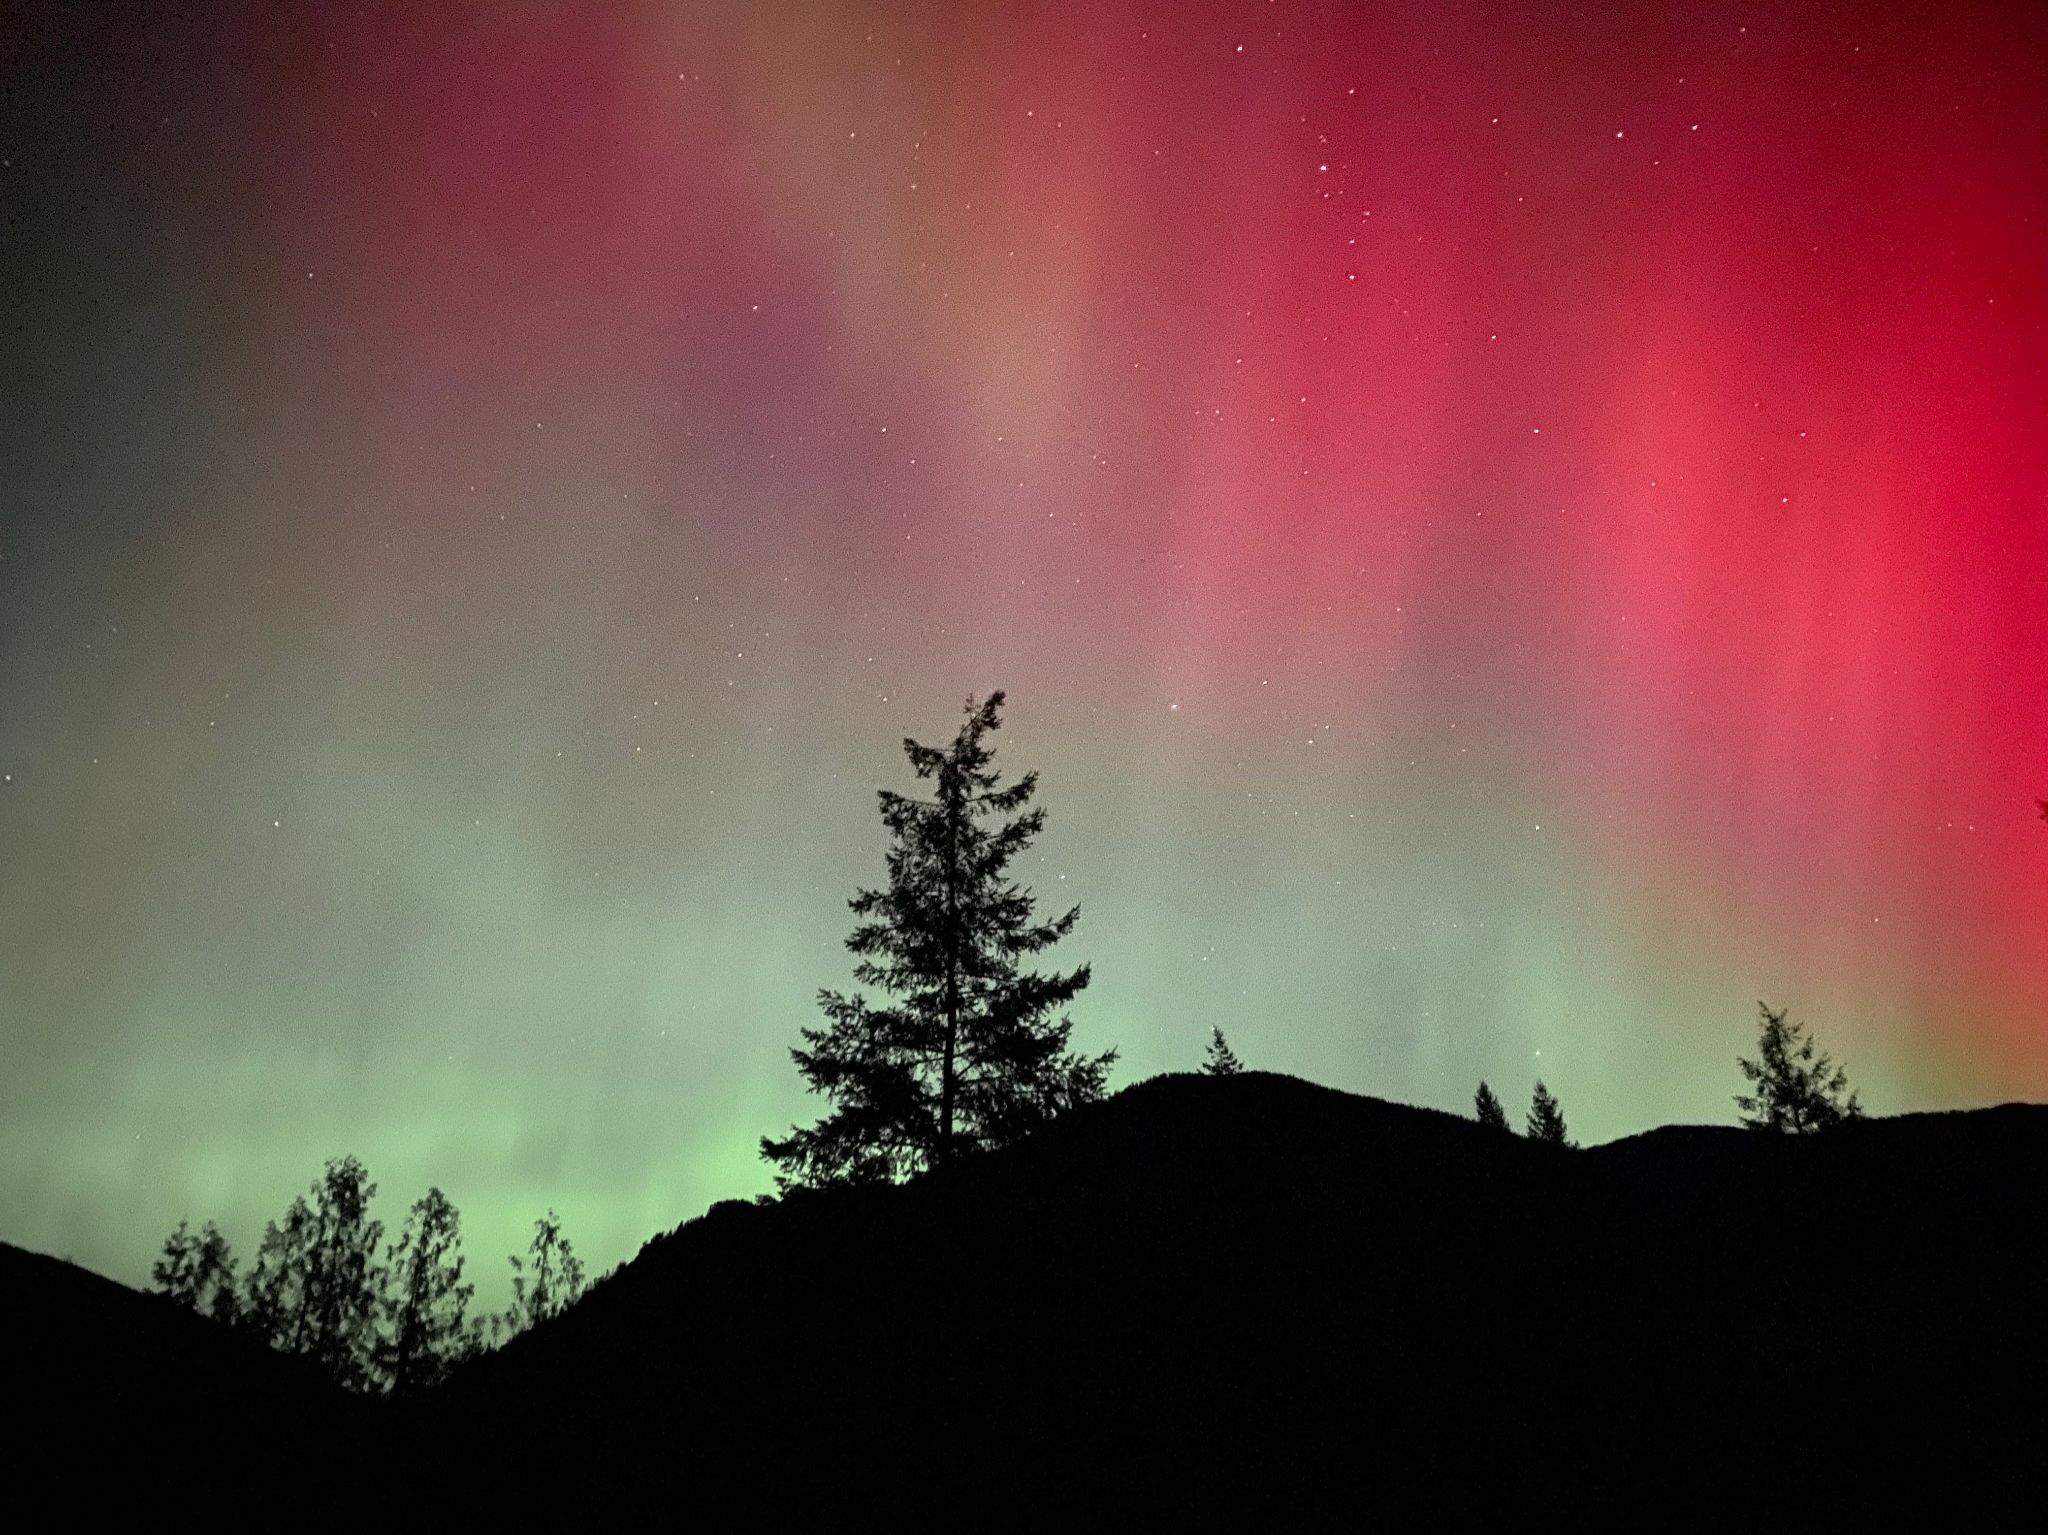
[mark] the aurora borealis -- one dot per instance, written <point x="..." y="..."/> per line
<point x="1510" y="533"/>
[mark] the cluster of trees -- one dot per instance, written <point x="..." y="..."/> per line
<point x="374" y="1316"/>
<point x="971" y="1051"/>
<point x="1795" y="1088"/>
<point x="1546" y="1117"/>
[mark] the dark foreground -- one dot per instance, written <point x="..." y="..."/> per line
<point x="1215" y="1297"/>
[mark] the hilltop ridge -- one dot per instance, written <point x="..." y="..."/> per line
<point x="1208" y="1299"/>
<point x="1220" y="1284"/>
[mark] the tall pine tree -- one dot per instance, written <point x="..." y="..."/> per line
<point x="343" y="1279"/>
<point x="1220" y="1060"/>
<point x="425" y="1299"/>
<point x="972" y="1051"/>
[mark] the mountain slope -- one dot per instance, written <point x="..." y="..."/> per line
<point x="122" y="1394"/>
<point x="1249" y="1292"/>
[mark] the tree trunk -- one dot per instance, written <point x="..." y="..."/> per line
<point x="944" y="1154"/>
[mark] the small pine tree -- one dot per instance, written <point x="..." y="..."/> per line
<point x="550" y="1279"/>
<point x="483" y="1334"/>
<point x="1795" y="1088"/>
<point x="215" y="1263"/>
<point x="425" y="1299"/>
<point x="172" y="1271"/>
<point x="1221" y="1060"/>
<point x="1546" y="1119"/>
<point x="198" y="1272"/>
<point x="1486" y="1108"/>
<point x="273" y="1290"/>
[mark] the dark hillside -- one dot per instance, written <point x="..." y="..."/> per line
<point x="1212" y="1290"/>
<point x="1215" y="1298"/>
<point x="118" y="1395"/>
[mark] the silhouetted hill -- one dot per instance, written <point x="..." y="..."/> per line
<point x="1251" y="1295"/>
<point x="119" y="1397"/>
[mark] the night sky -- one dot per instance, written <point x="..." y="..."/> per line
<point x="1510" y="532"/>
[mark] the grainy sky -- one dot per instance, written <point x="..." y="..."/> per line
<point x="1511" y="533"/>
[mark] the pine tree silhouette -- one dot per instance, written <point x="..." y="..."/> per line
<point x="1794" y="1087"/>
<point x="1486" y="1108"/>
<point x="1546" y="1119"/>
<point x="425" y="1298"/>
<point x="172" y="1271"/>
<point x="549" y="1281"/>
<point x="271" y="1291"/>
<point x="197" y="1272"/>
<point x="974" y="1051"/>
<point x="342" y="1276"/>
<point x="1221" y="1060"/>
<point x="315" y="1285"/>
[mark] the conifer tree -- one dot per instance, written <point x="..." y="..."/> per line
<point x="197" y="1271"/>
<point x="343" y="1279"/>
<point x="273" y="1288"/>
<point x="1221" y="1060"/>
<point x="425" y="1298"/>
<point x="972" y="1051"/>
<point x="314" y="1287"/>
<point x="550" y="1279"/>
<point x="1546" y="1119"/>
<point x="172" y="1271"/>
<point x="483" y="1334"/>
<point x="1486" y="1108"/>
<point x="1795" y="1087"/>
